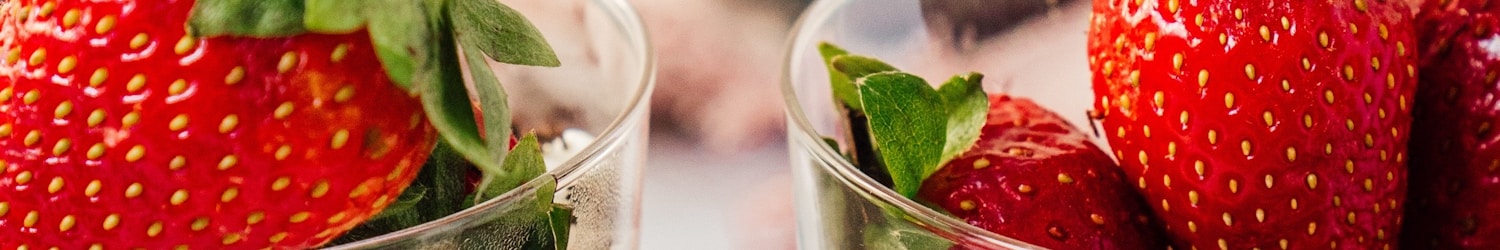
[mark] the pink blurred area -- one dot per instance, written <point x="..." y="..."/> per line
<point x="718" y="176"/>
<point x="718" y="69"/>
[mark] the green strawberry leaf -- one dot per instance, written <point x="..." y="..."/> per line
<point x="843" y="85"/>
<point x="444" y="176"/>
<point x="967" y="107"/>
<point x="832" y="143"/>
<point x="527" y="220"/>
<point x="501" y="32"/>
<point x="907" y="129"/>
<point x="541" y="210"/>
<point x="900" y="234"/>
<point x="258" y="18"/>
<point x="493" y="104"/>
<point x="908" y="121"/>
<point x="406" y="54"/>
<point x="448" y="109"/>
<point x="547" y="212"/>
<point x="843" y="70"/>
<point x="561" y="219"/>
<point x="524" y="164"/>
<point x="404" y="204"/>
<point x="856" y="67"/>
<point x="334" y="16"/>
<point x="448" y="105"/>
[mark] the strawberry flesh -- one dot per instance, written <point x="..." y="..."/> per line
<point x="119" y="131"/>
<point x="1455" y="151"/>
<point x="1036" y="178"/>
<point x="1252" y="124"/>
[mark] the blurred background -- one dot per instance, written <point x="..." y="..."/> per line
<point x="717" y="175"/>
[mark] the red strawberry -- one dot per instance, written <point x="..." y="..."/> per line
<point x="1034" y="177"/>
<point x="1455" y="152"/>
<point x="119" y="131"/>
<point x="1253" y="124"/>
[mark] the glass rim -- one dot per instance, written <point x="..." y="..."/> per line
<point x="624" y="17"/>
<point x="803" y="132"/>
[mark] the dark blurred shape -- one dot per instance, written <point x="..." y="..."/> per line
<point x="965" y="21"/>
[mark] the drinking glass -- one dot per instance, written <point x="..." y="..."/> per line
<point x="597" y="101"/>
<point x="1027" y="48"/>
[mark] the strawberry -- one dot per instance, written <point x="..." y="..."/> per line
<point x="1036" y="178"/>
<point x="121" y="129"/>
<point x="1253" y="124"/>
<point x="1455" y="153"/>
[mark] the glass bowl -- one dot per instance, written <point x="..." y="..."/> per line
<point x="1027" y="48"/>
<point x="598" y="102"/>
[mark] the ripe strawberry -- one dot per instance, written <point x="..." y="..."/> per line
<point x="1255" y="124"/>
<point x="1454" y="149"/>
<point x="1036" y="178"/>
<point x="117" y="130"/>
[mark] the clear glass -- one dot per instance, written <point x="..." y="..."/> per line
<point x="602" y="88"/>
<point x="1032" y="48"/>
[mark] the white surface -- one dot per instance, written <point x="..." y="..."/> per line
<point x="571" y="142"/>
<point x="694" y="200"/>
